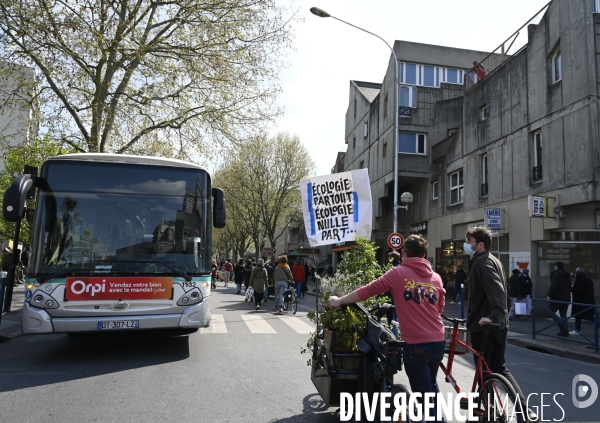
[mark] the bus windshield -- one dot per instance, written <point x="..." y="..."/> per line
<point x="121" y="219"/>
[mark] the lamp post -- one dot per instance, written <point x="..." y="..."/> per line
<point x="323" y="14"/>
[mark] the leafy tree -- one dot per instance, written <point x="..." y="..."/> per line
<point x="261" y="181"/>
<point x="14" y="160"/>
<point x="158" y="77"/>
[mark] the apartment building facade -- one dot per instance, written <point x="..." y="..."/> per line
<point x="522" y="141"/>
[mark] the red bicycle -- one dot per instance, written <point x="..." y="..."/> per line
<point x="497" y="399"/>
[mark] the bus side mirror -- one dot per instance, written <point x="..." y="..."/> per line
<point x="218" y="208"/>
<point x="14" y="198"/>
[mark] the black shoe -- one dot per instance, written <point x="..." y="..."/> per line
<point x="565" y="334"/>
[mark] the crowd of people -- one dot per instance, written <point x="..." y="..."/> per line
<point x="264" y="278"/>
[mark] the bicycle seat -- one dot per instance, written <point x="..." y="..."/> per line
<point x="454" y="320"/>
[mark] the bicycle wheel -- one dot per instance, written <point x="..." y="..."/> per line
<point x="285" y="305"/>
<point x="19" y="275"/>
<point x="294" y="304"/>
<point x="395" y="390"/>
<point x="498" y="401"/>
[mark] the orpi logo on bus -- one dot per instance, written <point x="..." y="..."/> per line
<point x="395" y="241"/>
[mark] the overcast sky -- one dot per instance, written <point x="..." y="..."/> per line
<point x="328" y="54"/>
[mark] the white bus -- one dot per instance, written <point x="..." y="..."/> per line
<point x="119" y="243"/>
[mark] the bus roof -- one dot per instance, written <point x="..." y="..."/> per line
<point x="127" y="158"/>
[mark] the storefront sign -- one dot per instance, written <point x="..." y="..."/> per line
<point x="538" y="206"/>
<point x="493" y="219"/>
<point x="308" y="250"/>
<point x="119" y="288"/>
<point x="419" y="228"/>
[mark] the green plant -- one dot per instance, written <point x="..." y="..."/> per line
<point x="357" y="268"/>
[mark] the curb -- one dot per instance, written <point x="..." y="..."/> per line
<point x="548" y="348"/>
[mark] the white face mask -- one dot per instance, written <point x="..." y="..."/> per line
<point x="468" y="249"/>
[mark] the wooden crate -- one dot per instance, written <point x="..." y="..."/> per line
<point x="330" y="387"/>
<point x="331" y="341"/>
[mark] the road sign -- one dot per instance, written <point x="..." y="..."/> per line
<point x="395" y="241"/>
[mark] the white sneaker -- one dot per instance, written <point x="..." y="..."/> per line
<point x="452" y="302"/>
<point x="573" y="332"/>
<point x="458" y="303"/>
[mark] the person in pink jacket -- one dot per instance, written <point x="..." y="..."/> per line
<point x="419" y="301"/>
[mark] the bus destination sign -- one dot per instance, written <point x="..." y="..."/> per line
<point x="119" y="288"/>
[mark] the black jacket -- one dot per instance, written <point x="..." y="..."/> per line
<point x="560" y="285"/>
<point x="460" y="277"/>
<point x="526" y="285"/>
<point x="488" y="293"/>
<point x="514" y="287"/>
<point x="583" y="292"/>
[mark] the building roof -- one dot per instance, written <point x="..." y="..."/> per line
<point x="370" y="90"/>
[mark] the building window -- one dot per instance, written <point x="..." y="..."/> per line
<point x="452" y="75"/>
<point x="484" y="112"/>
<point x="385" y="103"/>
<point x="411" y="143"/>
<point x="456" y="187"/>
<point x="557" y="66"/>
<point x="597" y="6"/>
<point x="408" y="97"/>
<point x="366" y="129"/>
<point x="434" y="190"/>
<point x="424" y="75"/>
<point x="384" y="149"/>
<point x="355" y="105"/>
<point x="484" y="175"/>
<point x="354" y="142"/>
<point x="362" y="164"/>
<point x="537" y="156"/>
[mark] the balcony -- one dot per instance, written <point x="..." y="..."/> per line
<point x="484" y="190"/>
<point x="404" y="111"/>
<point x="537" y="173"/>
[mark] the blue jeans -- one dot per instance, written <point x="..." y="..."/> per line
<point x="280" y="287"/>
<point x="298" y="288"/>
<point x="421" y="364"/>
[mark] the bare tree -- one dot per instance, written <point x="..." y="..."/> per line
<point x="149" y="76"/>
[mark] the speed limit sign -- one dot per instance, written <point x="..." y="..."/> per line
<point x="395" y="241"/>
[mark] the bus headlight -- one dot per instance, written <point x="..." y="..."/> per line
<point x="204" y="284"/>
<point x="43" y="300"/>
<point x="191" y="297"/>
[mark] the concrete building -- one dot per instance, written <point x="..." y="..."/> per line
<point x="521" y="140"/>
<point x="18" y="120"/>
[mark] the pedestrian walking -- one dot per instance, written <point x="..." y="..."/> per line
<point x="305" y="283"/>
<point x="460" y="278"/>
<point x="489" y="302"/>
<point x="560" y="290"/>
<point x="514" y="291"/>
<point x="247" y="272"/>
<point x="526" y="289"/>
<point x="583" y="292"/>
<point x="282" y="275"/>
<point x="227" y="269"/>
<point x="259" y="279"/>
<point x="298" y="276"/>
<point x="239" y="275"/>
<point x="6" y="259"/>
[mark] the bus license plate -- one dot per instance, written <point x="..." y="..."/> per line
<point x="121" y="324"/>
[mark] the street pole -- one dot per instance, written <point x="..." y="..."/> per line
<point x="322" y="14"/>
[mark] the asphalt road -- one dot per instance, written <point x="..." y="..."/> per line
<point x="246" y="368"/>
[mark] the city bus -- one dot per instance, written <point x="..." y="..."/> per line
<point x="119" y="243"/>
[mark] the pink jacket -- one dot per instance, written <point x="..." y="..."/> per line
<point x="419" y="298"/>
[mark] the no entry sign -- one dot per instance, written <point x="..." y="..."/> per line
<point x="395" y="241"/>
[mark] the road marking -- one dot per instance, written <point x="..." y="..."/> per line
<point x="257" y="324"/>
<point x="217" y="325"/>
<point x="298" y="325"/>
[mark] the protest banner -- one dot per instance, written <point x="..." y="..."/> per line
<point x="337" y="207"/>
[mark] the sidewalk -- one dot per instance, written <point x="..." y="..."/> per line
<point x="10" y="326"/>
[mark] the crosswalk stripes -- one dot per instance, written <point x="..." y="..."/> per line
<point x="298" y="325"/>
<point x="217" y="325"/>
<point x="256" y="323"/>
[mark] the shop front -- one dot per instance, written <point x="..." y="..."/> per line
<point x="451" y="255"/>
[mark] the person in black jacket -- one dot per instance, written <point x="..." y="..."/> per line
<point x="583" y="292"/>
<point x="526" y="289"/>
<point x="514" y="290"/>
<point x="560" y="290"/>
<point x="460" y="278"/>
<point x="489" y="302"/>
<point x="238" y="272"/>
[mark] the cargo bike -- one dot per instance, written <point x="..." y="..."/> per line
<point x="337" y="370"/>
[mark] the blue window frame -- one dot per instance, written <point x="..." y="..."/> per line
<point x="428" y="76"/>
<point x="408" y="97"/>
<point x="410" y="73"/>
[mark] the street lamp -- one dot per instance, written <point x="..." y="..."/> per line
<point x="406" y="198"/>
<point x="323" y="14"/>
